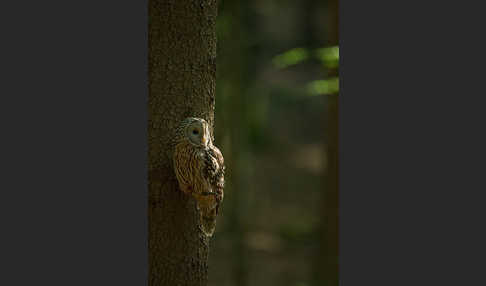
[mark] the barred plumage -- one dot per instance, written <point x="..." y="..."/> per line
<point x="199" y="168"/>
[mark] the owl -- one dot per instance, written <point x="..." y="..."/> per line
<point x="199" y="168"/>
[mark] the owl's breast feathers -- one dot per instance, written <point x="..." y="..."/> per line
<point x="200" y="171"/>
<point x="186" y="166"/>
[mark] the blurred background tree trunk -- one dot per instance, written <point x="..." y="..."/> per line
<point x="182" y="76"/>
<point x="328" y="272"/>
<point x="234" y="78"/>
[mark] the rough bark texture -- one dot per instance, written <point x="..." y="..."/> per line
<point x="182" y="75"/>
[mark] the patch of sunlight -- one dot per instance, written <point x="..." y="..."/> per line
<point x="329" y="56"/>
<point x="327" y="86"/>
<point x="291" y="57"/>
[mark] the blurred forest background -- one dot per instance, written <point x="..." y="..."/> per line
<point x="277" y="68"/>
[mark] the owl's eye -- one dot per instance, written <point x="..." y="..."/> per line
<point x="195" y="132"/>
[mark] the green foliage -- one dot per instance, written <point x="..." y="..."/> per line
<point x="328" y="56"/>
<point x="327" y="86"/>
<point x="291" y="57"/>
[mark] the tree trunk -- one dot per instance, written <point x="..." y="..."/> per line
<point x="328" y="271"/>
<point x="331" y="198"/>
<point x="182" y="76"/>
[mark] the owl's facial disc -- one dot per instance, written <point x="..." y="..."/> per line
<point x="196" y="134"/>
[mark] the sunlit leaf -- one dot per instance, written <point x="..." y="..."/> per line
<point x="328" y="86"/>
<point x="329" y="56"/>
<point x="291" y="57"/>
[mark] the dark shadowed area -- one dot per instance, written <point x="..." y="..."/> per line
<point x="276" y="86"/>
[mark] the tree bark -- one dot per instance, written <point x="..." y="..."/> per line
<point x="182" y="75"/>
<point x="328" y="271"/>
<point x="331" y="195"/>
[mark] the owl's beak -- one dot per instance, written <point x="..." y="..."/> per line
<point x="204" y="140"/>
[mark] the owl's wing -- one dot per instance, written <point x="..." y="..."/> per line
<point x="209" y="167"/>
<point x="216" y="153"/>
<point x="211" y="178"/>
<point x="218" y="182"/>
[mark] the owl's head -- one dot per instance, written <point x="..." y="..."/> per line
<point x="196" y="131"/>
